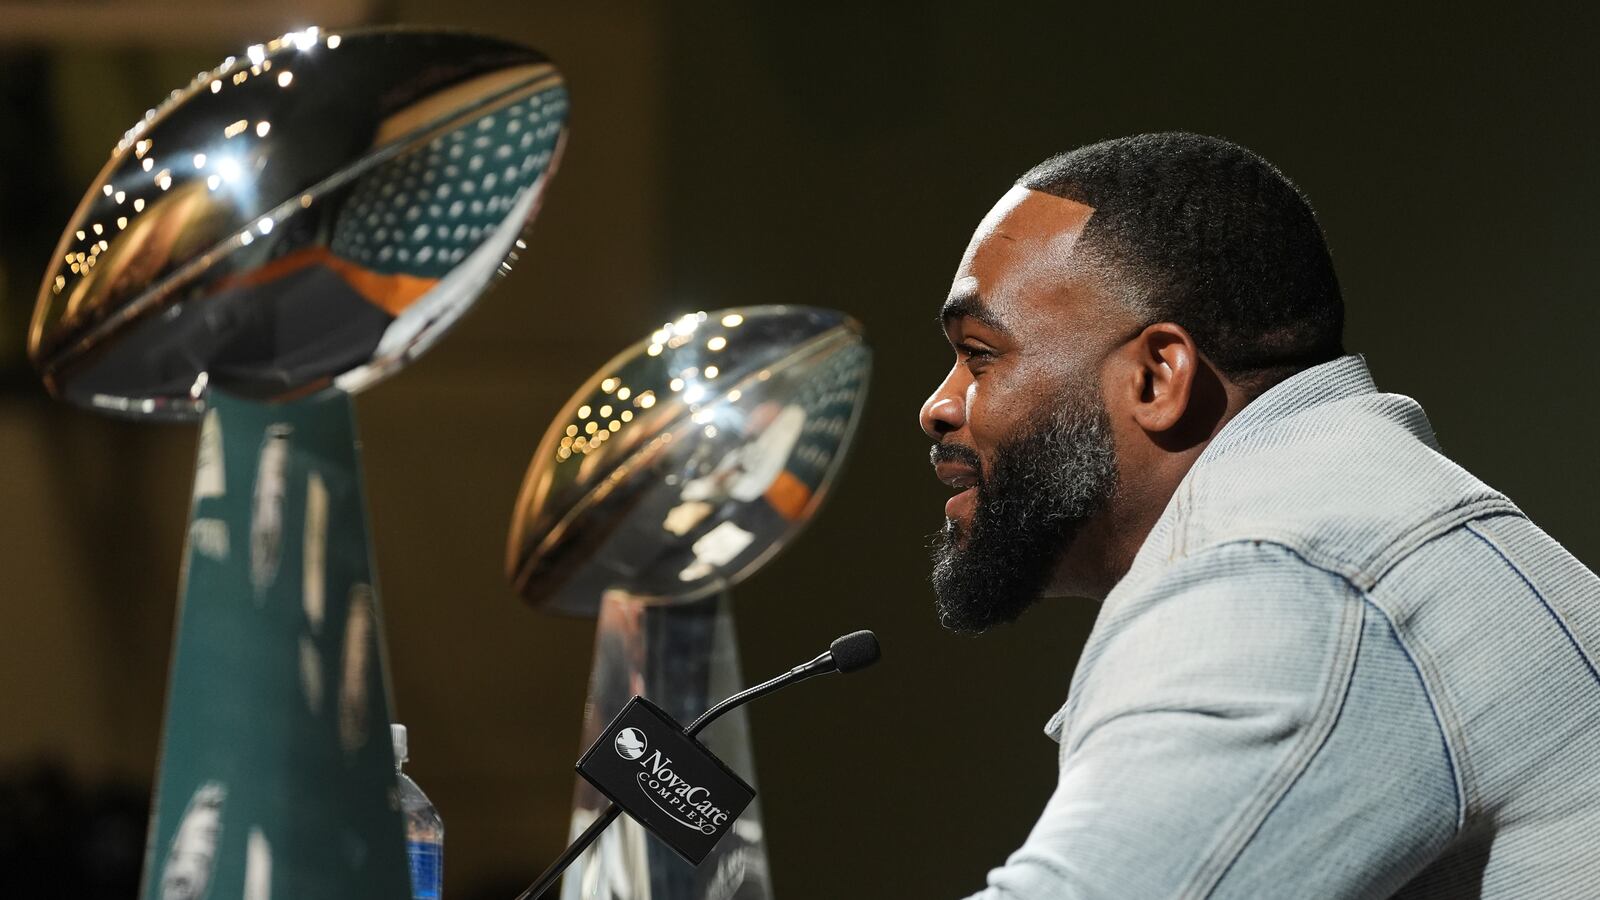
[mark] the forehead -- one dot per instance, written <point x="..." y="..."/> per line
<point x="1020" y="263"/>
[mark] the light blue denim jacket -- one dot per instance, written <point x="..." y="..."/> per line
<point x="1340" y="666"/>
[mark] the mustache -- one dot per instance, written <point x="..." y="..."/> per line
<point x="955" y="453"/>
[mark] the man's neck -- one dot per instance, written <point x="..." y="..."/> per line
<point x="1103" y="550"/>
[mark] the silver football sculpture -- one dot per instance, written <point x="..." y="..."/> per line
<point x="690" y="459"/>
<point x="307" y="217"/>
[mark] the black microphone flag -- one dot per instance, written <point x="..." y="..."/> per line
<point x="645" y="763"/>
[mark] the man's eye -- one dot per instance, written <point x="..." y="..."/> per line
<point x="975" y="357"/>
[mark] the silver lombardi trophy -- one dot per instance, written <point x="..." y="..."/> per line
<point x="288" y="229"/>
<point x="678" y="469"/>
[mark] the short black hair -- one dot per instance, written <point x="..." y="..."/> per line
<point x="1202" y="232"/>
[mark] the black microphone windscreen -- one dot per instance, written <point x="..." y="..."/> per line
<point x="855" y="651"/>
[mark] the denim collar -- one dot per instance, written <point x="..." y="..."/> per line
<point x="1333" y="380"/>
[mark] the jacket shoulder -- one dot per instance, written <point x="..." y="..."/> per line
<point x="1352" y="485"/>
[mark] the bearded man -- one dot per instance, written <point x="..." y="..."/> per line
<point x="1329" y="662"/>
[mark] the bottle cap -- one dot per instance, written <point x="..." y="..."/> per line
<point x="397" y="733"/>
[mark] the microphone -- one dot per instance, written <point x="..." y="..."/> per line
<point x="855" y="651"/>
<point x="850" y="653"/>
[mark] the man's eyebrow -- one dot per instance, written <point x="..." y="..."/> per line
<point x="970" y="305"/>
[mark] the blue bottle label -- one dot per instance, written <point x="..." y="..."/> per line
<point x="427" y="869"/>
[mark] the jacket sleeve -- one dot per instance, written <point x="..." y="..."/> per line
<point x="1245" y="726"/>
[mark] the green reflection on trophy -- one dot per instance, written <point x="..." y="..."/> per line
<point x="290" y="228"/>
<point x="677" y="470"/>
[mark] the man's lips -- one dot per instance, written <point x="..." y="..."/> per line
<point x="959" y="507"/>
<point x="957" y="475"/>
<point x="964" y="479"/>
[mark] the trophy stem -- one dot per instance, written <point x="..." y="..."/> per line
<point x="277" y="772"/>
<point x="684" y="657"/>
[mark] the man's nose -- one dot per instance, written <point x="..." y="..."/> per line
<point x="945" y="409"/>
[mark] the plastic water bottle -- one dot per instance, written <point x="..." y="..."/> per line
<point x="424" y="828"/>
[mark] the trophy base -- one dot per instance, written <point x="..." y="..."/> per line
<point x="277" y="772"/>
<point x="683" y="657"/>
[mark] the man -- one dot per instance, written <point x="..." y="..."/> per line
<point x="1329" y="662"/>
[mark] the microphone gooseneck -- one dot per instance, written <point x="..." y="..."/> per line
<point x="850" y="653"/>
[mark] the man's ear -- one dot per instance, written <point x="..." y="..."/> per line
<point x="1164" y="367"/>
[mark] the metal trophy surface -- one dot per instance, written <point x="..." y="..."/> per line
<point x="288" y="229"/>
<point x="681" y="467"/>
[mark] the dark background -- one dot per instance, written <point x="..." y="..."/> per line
<point x="828" y="154"/>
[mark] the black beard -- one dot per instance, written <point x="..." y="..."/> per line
<point x="1044" y="484"/>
